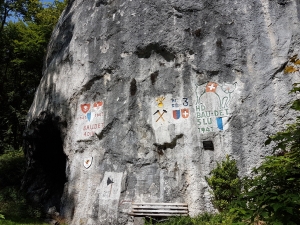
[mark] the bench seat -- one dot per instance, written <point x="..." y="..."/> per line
<point x="159" y="209"/>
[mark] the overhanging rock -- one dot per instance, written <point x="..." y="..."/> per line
<point x="146" y="96"/>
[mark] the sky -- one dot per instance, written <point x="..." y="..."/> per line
<point x="44" y="1"/>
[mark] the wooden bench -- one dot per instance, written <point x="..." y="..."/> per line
<point x="159" y="209"/>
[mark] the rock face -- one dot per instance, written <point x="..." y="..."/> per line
<point x="140" y="99"/>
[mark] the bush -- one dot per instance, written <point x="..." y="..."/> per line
<point x="12" y="165"/>
<point x="13" y="204"/>
<point x="225" y="184"/>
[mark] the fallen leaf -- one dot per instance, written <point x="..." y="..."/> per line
<point x="290" y="69"/>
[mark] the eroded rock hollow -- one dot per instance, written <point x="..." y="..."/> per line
<point x="140" y="99"/>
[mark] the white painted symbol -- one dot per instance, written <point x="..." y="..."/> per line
<point x="211" y="87"/>
<point x="185" y="113"/>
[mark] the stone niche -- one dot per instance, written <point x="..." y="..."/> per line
<point x="140" y="99"/>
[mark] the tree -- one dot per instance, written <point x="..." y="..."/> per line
<point x="23" y="45"/>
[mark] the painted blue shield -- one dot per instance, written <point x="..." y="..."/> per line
<point x="220" y="123"/>
<point x="176" y="114"/>
<point x="90" y="116"/>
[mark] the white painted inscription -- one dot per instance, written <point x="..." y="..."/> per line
<point x="212" y="106"/>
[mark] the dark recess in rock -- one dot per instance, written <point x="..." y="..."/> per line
<point x="219" y="43"/>
<point x="45" y="175"/>
<point x="283" y="2"/>
<point x="90" y="83"/>
<point x="101" y="2"/>
<point x="170" y="145"/>
<point x="185" y="10"/>
<point x="212" y="73"/>
<point x="208" y="145"/>
<point x="197" y="32"/>
<point x="133" y="87"/>
<point x="146" y="51"/>
<point x="154" y="77"/>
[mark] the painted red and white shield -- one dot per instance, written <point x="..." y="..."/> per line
<point x="211" y="87"/>
<point x="87" y="162"/>
<point x="185" y="113"/>
<point x="97" y="105"/>
<point x="85" y="107"/>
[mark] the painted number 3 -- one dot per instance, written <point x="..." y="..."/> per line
<point x="185" y="102"/>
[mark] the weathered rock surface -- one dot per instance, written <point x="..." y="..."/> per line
<point x="140" y="99"/>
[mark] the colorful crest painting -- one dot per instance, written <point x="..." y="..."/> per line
<point x="88" y="162"/>
<point x="185" y="113"/>
<point x="211" y="87"/>
<point x="97" y="105"/>
<point x="176" y="114"/>
<point x="85" y="107"/>
<point x="90" y="116"/>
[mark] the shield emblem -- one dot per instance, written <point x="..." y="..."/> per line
<point x="211" y="87"/>
<point x="85" y="107"/>
<point x="88" y="162"/>
<point x="90" y="116"/>
<point x="185" y="113"/>
<point x="97" y="105"/>
<point x="176" y="114"/>
<point x="220" y="123"/>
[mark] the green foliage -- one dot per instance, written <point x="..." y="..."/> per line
<point x="225" y="184"/>
<point x="23" y="46"/>
<point x="12" y="165"/>
<point x="203" y="219"/>
<point x="12" y="201"/>
<point x="22" y="221"/>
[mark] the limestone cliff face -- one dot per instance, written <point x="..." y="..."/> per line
<point x="140" y="99"/>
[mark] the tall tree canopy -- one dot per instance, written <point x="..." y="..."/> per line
<point x="22" y="47"/>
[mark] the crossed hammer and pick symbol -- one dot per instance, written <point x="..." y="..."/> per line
<point x="160" y="115"/>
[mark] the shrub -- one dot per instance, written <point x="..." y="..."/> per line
<point x="225" y="184"/>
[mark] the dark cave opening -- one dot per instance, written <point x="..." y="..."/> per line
<point x="45" y="174"/>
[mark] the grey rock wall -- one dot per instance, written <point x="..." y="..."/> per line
<point x="148" y="95"/>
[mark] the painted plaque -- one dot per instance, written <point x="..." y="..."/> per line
<point x="109" y="195"/>
<point x="213" y="106"/>
<point x="87" y="162"/>
<point x="167" y="109"/>
<point x="89" y="119"/>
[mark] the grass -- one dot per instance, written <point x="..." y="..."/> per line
<point x="203" y="219"/>
<point x="14" y="209"/>
<point x="21" y="221"/>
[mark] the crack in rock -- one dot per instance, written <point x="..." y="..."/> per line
<point x="107" y="128"/>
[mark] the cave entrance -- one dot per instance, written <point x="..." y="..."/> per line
<point x="45" y="175"/>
